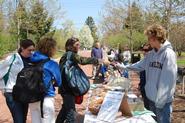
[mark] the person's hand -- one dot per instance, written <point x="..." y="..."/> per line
<point x="106" y="62"/>
<point x="113" y="64"/>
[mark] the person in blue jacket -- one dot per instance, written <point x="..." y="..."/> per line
<point x="98" y="54"/>
<point x="46" y="49"/>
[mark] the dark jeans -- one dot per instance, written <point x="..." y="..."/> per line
<point x="142" y="89"/>
<point x="67" y="113"/>
<point x="18" y="110"/>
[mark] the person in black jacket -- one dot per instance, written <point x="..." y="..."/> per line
<point x="67" y="113"/>
<point x="145" y="48"/>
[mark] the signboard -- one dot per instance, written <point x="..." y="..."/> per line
<point x="110" y="106"/>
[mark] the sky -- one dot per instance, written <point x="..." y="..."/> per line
<point x="79" y="10"/>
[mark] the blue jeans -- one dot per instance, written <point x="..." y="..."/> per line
<point x="18" y="110"/>
<point x="67" y="113"/>
<point x="163" y="115"/>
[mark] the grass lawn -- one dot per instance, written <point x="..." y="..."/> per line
<point x="181" y="60"/>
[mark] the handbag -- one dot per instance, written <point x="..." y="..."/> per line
<point x="76" y="79"/>
<point x="78" y="99"/>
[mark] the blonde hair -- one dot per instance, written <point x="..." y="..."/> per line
<point x="157" y="31"/>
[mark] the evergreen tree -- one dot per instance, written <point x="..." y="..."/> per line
<point x="135" y="18"/>
<point x="40" y="23"/>
<point x="90" y="22"/>
<point x="19" y="21"/>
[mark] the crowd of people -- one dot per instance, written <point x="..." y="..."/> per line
<point x="157" y="69"/>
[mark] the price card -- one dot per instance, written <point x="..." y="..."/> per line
<point x="110" y="106"/>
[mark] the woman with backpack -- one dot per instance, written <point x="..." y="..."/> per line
<point x="67" y="113"/>
<point x="46" y="48"/>
<point x="9" y="68"/>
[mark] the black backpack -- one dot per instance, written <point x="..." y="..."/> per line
<point x="29" y="85"/>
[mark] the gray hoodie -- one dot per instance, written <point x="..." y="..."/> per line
<point x="161" y="72"/>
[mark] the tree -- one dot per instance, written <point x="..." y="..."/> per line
<point x="59" y="37"/>
<point x="21" y="18"/>
<point x="177" y="36"/>
<point x="69" y="30"/>
<point x="135" y="18"/>
<point x="134" y="22"/>
<point x="39" y="21"/>
<point x="152" y="17"/>
<point x="90" y="22"/>
<point x="169" y="10"/>
<point x="113" y="16"/>
<point x="85" y="37"/>
<point x="122" y="18"/>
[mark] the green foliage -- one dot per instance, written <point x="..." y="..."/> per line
<point x="19" y="21"/>
<point x="138" y="40"/>
<point x="1" y="21"/>
<point x="90" y="22"/>
<point x="7" y="43"/>
<point x="135" y="18"/>
<point x="122" y="39"/>
<point x="40" y="23"/>
<point x="115" y="39"/>
<point x="58" y="36"/>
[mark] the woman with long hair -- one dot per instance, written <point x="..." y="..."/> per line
<point x="67" y="113"/>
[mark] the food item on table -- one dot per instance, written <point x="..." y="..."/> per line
<point x="95" y="105"/>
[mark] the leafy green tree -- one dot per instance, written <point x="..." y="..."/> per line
<point x="135" y="18"/>
<point x="18" y="21"/>
<point x="58" y="36"/>
<point x="90" y="22"/>
<point x="122" y="39"/>
<point x="85" y="37"/>
<point x="21" y="17"/>
<point x="39" y="21"/>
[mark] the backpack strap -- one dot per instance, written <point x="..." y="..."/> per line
<point x="6" y="76"/>
<point x="42" y="100"/>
